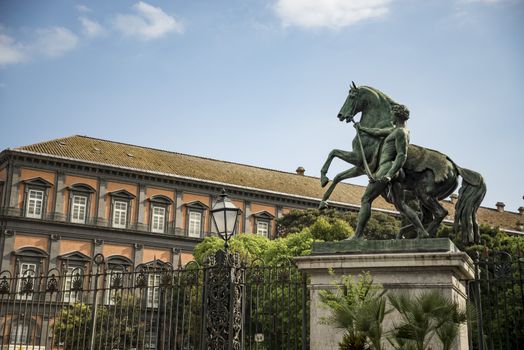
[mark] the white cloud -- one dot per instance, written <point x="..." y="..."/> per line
<point x="10" y="51"/>
<point x="149" y="22"/>
<point x="54" y="42"/>
<point x="329" y="13"/>
<point x="83" y="8"/>
<point x="91" y="28"/>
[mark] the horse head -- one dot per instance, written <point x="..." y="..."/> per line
<point x="351" y="105"/>
<point x="374" y="105"/>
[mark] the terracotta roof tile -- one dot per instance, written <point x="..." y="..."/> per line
<point x="112" y="153"/>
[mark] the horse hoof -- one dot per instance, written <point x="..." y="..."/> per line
<point x="324" y="180"/>
<point x="423" y="234"/>
<point x="323" y="205"/>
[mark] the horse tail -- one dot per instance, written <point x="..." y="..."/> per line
<point x="470" y="196"/>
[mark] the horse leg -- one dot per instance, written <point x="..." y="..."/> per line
<point x="348" y="156"/>
<point x="347" y="174"/>
<point x="439" y="212"/>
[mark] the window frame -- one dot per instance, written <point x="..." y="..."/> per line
<point x="159" y="201"/>
<point x="196" y="207"/>
<point x="263" y="217"/>
<point x="28" y="255"/>
<point x="121" y="196"/>
<point x="36" y="184"/>
<point x="71" y="264"/>
<point x="153" y="268"/>
<point x="80" y="190"/>
<point x="117" y="265"/>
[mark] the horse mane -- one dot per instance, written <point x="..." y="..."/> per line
<point x="381" y="95"/>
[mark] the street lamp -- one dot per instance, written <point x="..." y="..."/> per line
<point x="225" y="216"/>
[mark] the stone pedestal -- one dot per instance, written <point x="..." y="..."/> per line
<point x="410" y="266"/>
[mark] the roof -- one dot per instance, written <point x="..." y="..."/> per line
<point x="92" y="150"/>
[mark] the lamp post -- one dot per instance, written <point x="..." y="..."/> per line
<point x="225" y="217"/>
<point x="223" y="286"/>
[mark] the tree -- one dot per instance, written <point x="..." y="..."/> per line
<point x="380" y="226"/>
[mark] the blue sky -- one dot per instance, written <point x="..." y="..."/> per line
<point x="261" y="81"/>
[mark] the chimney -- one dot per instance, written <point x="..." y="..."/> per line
<point x="300" y="170"/>
<point x="453" y="198"/>
<point x="521" y="211"/>
<point x="500" y="207"/>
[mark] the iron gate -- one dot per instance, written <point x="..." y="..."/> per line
<point x="152" y="307"/>
<point x="498" y="296"/>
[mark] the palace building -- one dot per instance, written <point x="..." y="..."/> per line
<point x="64" y="201"/>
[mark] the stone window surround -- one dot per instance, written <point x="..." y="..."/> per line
<point x="32" y="255"/>
<point x="80" y="189"/>
<point x="159" y="201"/>
<point x="121" y="196"/>
<point x="263" y="216"/>
<point x="38" y="184"/>
<point x="195" y="206"/>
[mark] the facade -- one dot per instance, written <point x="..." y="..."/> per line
<point x="64" y="201"/>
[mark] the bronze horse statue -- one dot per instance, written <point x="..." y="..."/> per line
<point x="429" y="175"/>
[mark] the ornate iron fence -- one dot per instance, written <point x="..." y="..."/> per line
<point x="498" y="296"/>
<point x="153" y="307"/>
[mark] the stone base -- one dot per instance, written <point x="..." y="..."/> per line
<point x="425" y="265"/>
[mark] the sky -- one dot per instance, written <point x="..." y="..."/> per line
<point x="261" y="82"/>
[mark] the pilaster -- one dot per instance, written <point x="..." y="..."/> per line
<point x="141" y="203"/>
<point x="102" y="195"/>
<point x="58" y="213"/>
<point x="248" y="228"/>
<point x="9" y="244"/>
<point x="179" y="228"/>
<point x="54" y="250"/>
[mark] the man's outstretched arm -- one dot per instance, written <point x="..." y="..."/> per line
<point x="375" y="131"/>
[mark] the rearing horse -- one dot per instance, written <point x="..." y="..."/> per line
<point x="429" y="175"/>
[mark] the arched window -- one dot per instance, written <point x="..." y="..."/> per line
<point x="29" y="262"/>
<point x="159" y="213"/>
<point x="120" y="208"/>
<point x="79" y="200"/>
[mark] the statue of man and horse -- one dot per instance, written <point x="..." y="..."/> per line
<point x="381" y="150"/>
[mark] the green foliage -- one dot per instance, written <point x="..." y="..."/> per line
<point x="252" y="246"/>
<point x="330" y="230"/>
<point x="380" y="226"/>
<point x="114" y="326"/>
<point x="424" y="316"/>
<point x="358" y="309"/>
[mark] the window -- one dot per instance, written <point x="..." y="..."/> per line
<point x="159" y="213"/>
<point x="120" y="214"/>
<point x="35" y="204"/>
<point x="72" y="278"/>
<point x="79" y="197"/>
<point x="158" y="219"/>
<point x="115" y="280"/>
<point x="26" y="279"/>
<point x="153" y="290"/>
<point x="79" y="209"/>
<point x="120" y="208"/>
<point x="262" y="228"/>
<point x="263" y="221"/>
<point x="195" y="218"/>
<point x="195" y="224"/>
<point x="35" y="197"/>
